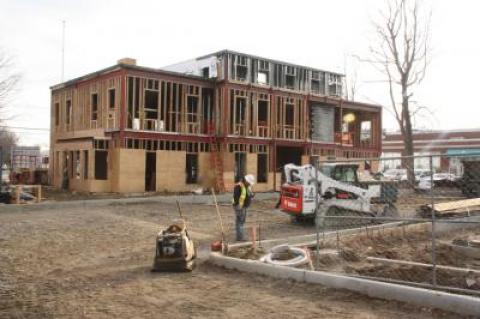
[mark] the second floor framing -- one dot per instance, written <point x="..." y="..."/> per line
<point x="136" y="99"/>
<point x="87" y="106"/>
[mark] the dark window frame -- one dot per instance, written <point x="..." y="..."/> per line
<point x="111" y="98"/>
<point x="94" y="104"/>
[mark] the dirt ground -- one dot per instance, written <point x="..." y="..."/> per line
<point x="95" y="263"/>
<point x="415" y="246"/>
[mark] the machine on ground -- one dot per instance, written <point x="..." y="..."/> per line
<point x="175" y="250"/>
<point x="339" y="192"/>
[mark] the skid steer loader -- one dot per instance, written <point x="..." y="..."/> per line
<point x="342" y="197"/>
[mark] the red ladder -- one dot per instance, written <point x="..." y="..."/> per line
<point x="216" y="162"/>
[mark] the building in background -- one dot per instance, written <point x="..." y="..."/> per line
<point x="28" y="158"/>
<point x="29" y="165"/>
<point x="450" y="144"/>
<point x="128" y="128"/>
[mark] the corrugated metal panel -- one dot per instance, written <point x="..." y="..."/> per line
<point x="323" y="120"/>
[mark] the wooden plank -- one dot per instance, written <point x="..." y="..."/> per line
<point x="454" y="205"/>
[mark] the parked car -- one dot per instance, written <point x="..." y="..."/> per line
<point x="394" y="174"/>
<point x="419" y="174"/>
<point x="424" y="184"/>
<point x="439" y="180"/>
<point x="445" y="179"/>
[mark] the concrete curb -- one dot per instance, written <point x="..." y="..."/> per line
<point x="464" y="305"/>
<point x="183" y="199"/>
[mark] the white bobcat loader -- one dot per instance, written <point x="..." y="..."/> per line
<point x="335" y="197"/>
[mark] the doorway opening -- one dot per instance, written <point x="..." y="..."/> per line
<point x="150" y="171"/>
<point x="192" y="168"/>
<point x="287" y="155"/>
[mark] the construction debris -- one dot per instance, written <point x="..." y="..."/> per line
<point x="450" y="208"/>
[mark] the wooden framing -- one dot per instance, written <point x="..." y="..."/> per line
<point x="146" y="109"/>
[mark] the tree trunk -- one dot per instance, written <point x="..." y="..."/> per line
<point x="408" y="137"/>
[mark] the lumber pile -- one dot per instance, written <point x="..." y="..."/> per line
<point x="451" y="208"/>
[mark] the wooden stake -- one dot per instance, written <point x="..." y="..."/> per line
<point x="179" y="210"/>
<point x="224" y="242"/>
<point x="254" y="237"/>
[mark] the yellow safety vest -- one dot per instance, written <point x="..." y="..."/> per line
<point x="243" y="195"/>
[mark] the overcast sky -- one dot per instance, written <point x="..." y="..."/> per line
<point x="319" y="34"/>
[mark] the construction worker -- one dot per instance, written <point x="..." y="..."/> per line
<point x="242" y="197"/>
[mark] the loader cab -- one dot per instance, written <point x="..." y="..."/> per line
<point x="342" y="172"/>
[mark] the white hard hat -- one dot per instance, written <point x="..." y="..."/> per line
<point x="250" y="179"/>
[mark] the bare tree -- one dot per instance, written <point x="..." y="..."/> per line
<point x="8" y="80"/>
<point x="7" y="141"/>
<point x="401" y="52"/>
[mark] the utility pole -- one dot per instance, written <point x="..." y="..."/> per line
<point x="63" y="52"/>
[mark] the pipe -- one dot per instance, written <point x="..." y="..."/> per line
<point x="300" y="258"/>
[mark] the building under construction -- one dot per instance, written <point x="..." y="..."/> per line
<point x="129" y="128"/>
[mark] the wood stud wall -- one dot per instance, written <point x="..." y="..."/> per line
<point x="172" y="107"/>
<point x="80" y="97"/>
